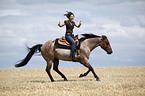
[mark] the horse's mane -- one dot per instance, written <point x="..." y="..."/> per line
<point x="88" y="35"/>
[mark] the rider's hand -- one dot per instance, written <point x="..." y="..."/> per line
<point x="59" y="23"/>
<point x="80" y="23"/>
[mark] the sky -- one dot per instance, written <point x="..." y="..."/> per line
<point x="35" y="21"/>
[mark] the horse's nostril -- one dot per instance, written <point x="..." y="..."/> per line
<point x="110" y="52"/>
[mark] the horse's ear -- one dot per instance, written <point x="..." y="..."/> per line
<point x="104" y="37"/>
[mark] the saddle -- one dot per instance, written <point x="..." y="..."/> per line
<point x="63" y="44"/>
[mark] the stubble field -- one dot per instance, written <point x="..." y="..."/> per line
<point x="121" y="81"/>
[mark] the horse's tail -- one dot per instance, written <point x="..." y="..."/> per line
<point x="32" y="51"/>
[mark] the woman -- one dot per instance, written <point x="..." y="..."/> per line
<point x="69" y="31"/>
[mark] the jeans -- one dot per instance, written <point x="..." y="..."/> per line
<point x="69" y="38"/>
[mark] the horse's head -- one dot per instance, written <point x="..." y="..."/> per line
<point x="106" y="45"/>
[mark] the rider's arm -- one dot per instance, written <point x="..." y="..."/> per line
<point x="61" y="25"/>
<point x="78" y="25"/>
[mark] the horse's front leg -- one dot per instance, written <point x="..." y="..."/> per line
<point x="86" y="63"/>
<point x="95" y="75"/>
<point x="85" y="74"/>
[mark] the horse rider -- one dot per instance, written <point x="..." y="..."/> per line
<point x="69" y="32"/>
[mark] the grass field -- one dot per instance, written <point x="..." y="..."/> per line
<point x="121" y="81"/>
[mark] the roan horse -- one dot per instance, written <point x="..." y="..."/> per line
<point x="53" y="55"/>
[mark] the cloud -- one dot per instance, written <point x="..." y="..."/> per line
<point x="28" y="2"/>
<point x="14" y="12"/>
<point x="112" y="2"/>
<point x="98" y="2"/>
<point x="141" y="21"/>
<point x="123" y="59"/>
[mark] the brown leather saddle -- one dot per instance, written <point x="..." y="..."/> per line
<point x="63" y="44"/>
<point x="63" y="41"/>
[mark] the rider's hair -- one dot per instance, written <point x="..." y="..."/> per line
<point x="69" y="14"/>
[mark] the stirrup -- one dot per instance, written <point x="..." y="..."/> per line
<point x="74" y="58"/>
<point x="77" y="56"/>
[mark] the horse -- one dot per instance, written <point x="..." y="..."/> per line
<point x="52" y="55"/>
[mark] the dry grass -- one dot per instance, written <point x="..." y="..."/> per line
<point x="123" y="81"/>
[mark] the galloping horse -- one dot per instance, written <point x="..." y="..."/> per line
<point x="52" y="54"/>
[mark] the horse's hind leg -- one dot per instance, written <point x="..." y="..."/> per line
<point x="55" y="67"/>
<point x="49" y="64"/>
<point x="85" y="62"/>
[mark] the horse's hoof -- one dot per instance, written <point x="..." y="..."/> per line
<point x="97" y="79"/>
<point x="65" y="79"/>
<point x="81" y="75"/>
<point x="52" y="80"/>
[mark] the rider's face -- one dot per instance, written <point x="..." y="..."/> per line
<point x="71" y="18"/>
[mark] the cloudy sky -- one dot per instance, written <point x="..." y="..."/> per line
<point x="35" y="21"/>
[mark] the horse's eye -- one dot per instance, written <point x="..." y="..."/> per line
<point x="107" y="43"/>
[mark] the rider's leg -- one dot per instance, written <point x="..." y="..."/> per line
<point x="70" y="39"/>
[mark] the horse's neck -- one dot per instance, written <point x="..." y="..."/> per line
<point x="92" y="43"/>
